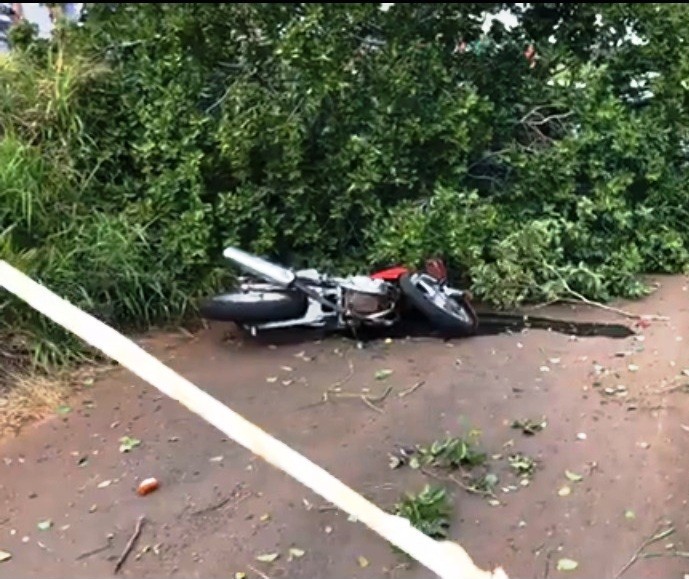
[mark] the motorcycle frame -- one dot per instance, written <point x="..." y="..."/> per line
<point x="317" y="314"/>
<point x="324" y="294"/>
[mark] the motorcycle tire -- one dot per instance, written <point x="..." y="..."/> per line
<point x="440" y="319"/>
<point x="254" y="308"/>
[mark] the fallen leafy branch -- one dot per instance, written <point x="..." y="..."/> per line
<point x="582" y="299"/>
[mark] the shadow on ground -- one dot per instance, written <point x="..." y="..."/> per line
<point x="491" y="324"/>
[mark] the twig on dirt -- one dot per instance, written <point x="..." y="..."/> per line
<point x="468" y="488"/>
<point x="682" y="384"/>
<point x="371" y="402"/>
<point x="548" y="557"/>
<point x="342" y="381"/>
<point x="235" y="494"/>
<point x="624" y="313"/>
<point x="95" y="551"/>
<point x="327" y="508"/>
<point x="544" y="304"/>
<point x="261" y="574"/>
<point x="682" y="554"/>
<point x="371" y="405"/>
<point x="411" y="390"/>
<point x="215" y="507"/>
<point x="332" y="389"/>
<point x="130" y="544"/>
<point x="471" y="489"/>
<point x="638" y="554"/>
<point x="367" y="399"/>
<point x="581" y="298"/>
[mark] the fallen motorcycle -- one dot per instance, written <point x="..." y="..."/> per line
<point x="272" y="297"/>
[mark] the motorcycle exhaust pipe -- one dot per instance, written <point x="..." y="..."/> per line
<point x="260" y="267"/>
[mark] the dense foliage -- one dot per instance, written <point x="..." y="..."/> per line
<point x="137" y="145"/>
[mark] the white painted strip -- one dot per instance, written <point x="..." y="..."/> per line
<point x="446" y="559"/>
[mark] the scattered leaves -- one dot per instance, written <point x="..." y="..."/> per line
<point x="128" y="443"/>
<point x="530" y="427"/>
<point x="362" y="561"/>
<point x="629" y="515"/>
<point x="428" y="511"/>
<point x="271" y="379"/>
<point x="104" y="484"/>
<point x="572" y="476"/>
<point x="522" y="464"/>
<point x="383" y="374"/>
<point x="240" y="575"/>
<point x="63" y="409"/>
<point x="564" y="491"/>
<point x="45" y="525"/>
<point x="295" y="553"/>
<point x="567" y="565"/>
<point x="452" y="453"/>
<point x="5" y="556"/>
<point x="267" y="557"/>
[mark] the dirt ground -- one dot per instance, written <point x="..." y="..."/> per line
<point x="219" y="507"/>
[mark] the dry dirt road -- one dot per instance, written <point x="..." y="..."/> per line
<point x="219" y="507"/>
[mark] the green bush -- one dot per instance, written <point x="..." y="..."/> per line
<point x="340" y="135"/>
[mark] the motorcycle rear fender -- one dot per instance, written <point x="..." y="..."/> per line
<point x="260" y="267"/>
<point x="390" y="274"/>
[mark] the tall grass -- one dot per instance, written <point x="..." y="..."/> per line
<point x="51" y="225"/>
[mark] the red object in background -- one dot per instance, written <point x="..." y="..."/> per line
<point x="147" y="486"/>
<point x="390" y="274"/>
<point x="435" y="267"/>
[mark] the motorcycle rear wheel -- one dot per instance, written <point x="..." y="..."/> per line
<point x="254" y="307"/>
<point x="451" y="316"/>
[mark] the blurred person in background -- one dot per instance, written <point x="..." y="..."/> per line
<point x="68" y="11"/>
<point x="10" y="14"/>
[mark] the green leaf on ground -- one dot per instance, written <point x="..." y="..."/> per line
<point x="572" y="476"/>
<point x="567" y="565"/>
<point x="128" y="443"/>
<point x="383" y="374"/>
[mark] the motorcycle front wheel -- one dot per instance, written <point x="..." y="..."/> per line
<point x="447" y="314"/>
<point x="254" y="307"/>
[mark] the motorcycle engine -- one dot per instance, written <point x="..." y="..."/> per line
<point x="365" y="296"/>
